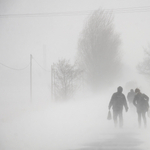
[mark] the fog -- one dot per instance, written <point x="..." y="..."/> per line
<point x="74" y="124"/>
<point x="44" y="123"/>
<point x="49" y="31"/>
<point x="52" y="125"/>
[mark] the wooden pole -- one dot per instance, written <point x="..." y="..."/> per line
<point x="52" y="83"/>
<point x="30" y="78"/>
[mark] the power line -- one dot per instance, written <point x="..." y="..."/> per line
<point x="132" y="9"/>
<point x="25" y="66"/>
<point x="48" y="14"/>
<point x="14" y="68"/>
<point x="40" y="65"/>
<point x="79" y="13"/>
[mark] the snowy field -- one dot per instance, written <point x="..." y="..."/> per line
<point x="59" y="126"/>
<point x="51" y="125"/>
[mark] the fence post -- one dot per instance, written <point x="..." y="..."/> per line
<point x="30" y="78"/>
<point x="52" y="97"/>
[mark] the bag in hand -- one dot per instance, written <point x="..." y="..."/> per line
<point x="109" y="115"/>
<point x="148" y="113"/>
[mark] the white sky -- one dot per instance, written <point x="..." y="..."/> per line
<point x="20" y="36"/>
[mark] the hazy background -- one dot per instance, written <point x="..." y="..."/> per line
<point x="53" y="36"/>
<point x="49" y="37"/>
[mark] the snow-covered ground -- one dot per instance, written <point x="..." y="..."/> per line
<point x="51" y="125"/>
<point x="58" y="126"/>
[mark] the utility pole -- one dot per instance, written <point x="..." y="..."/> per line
<point x="30" y="78"/>
<point x="52" y="81"/>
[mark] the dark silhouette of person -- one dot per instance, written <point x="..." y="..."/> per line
<point x="117" y="102"/>
<point x="130" y="97"/>
<point x="141" y="102"/>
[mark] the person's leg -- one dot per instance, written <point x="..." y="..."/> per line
<point x="144" y="119"/>
<point x="115" y="114"/>
<point x="120" y="119"/>
<point x="139" y="119"/>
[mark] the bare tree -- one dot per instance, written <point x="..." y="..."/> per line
<point x="98" y="50"/>
<point x="65" y="77"/>
<point x="144" y="67"/>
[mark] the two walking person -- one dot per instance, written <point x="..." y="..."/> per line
<point x="118" y="102"/>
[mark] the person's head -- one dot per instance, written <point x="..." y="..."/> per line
<point x="120" y="89"/>
<point x="131" y="90"/>
<point x="137" y="90"/>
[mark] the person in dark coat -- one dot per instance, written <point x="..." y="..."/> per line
<point x="141" y="102"/>
<point x="117" y="102"/>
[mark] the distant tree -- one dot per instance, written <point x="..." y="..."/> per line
<point x="144" y="67"/>
<point x="98" y="50"/>
<point x="65" y="79"/>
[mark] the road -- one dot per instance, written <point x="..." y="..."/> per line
<point x="120" y="139"/>
<point x="69" y="126"/>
